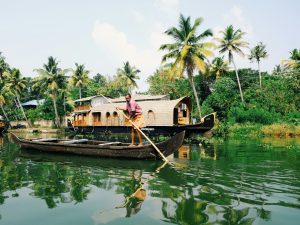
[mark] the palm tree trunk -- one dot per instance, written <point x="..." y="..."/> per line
<point x="57" y="123"/>
<point x="21" y="107"/>
<point x="65" y="110"/>
<point x="196" y="96"/>
<point x="260" y="85"/>
<point x="16" y="103"/>
<point x="79" y="92"/>
<point x="238" y="80"/>
<point x="64" y="122"/>
<point x="4" y="112"/>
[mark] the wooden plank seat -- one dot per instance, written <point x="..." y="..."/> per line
<point x="44" y="139"/>
<point x="109" y="143"/>
<point x="77" y="141"/>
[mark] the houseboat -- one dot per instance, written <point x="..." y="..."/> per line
<point x="162" y="115"/>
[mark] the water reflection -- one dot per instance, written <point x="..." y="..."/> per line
<point x="232" y="182"/>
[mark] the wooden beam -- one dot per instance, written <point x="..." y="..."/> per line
<point x="45" y="139"/>
<point x="74" y="141"/>
<point x="109" y="143"/>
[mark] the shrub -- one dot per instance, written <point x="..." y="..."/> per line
<point x="253" y="115"/>
<point x="222" y="97"/>
<point x="293" y="117"/>
<point x="220" y="129"/>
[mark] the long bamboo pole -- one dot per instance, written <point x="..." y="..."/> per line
<point x="156" y="148"/>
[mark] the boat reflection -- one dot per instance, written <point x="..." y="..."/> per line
<point x="1" y="140"/>
<point x="111" y="189"/>
<point x="133" y="202"/>
<point x="196" y="152"/>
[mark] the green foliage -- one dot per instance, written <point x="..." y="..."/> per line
<point x="188" y="50"/>
<point x="258" y="52"/>
<point x="219" y="66"/>
<point x="203" y="83"/>
<point x="79" y="77"/>
<point x="278" y="100"/>
<point x="248" y="77"/>
<point x="294" y="60"/>
<point x="220" y="129"/>
<point x="3" y="65"/>
<point x="34" y="114"/>
<point x="223" y="97"/>
<point x="276" y="95"/>
<point x="128" y="75"/>
<point x="161" y="85"/>
<point x="293" y="117"/>
<point x="253" y="115"/>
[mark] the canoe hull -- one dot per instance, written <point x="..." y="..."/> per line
<point x="145" y="152"/>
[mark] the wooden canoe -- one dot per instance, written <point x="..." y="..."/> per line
<point x="102" y="148"/>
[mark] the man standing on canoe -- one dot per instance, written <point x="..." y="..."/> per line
<point x="136" y="116"/>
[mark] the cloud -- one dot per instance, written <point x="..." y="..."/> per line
<point x="138" y="17"/>
<point x="170" y="7"/>
<point x="158" y="37"/>
<point x="236" y="17"/>
<point x="115" y="46"/>
<point x="112" y="41"/>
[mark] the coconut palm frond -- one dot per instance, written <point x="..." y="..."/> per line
<point x="199" y="64"/>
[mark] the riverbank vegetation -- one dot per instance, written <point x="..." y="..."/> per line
<point x="247" y="101"/>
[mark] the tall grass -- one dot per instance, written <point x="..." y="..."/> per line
<point x="281" y="130"/>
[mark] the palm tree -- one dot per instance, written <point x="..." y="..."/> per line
<point x="232" y="42"/>
<point x="219" y="66"/>
<point x="129" y="73"/>
<point x="257" y="53"/>
<point x="63" y="93"/>
<point x="50" y="80"/>
<point x="3" y="65"/>
<point x="188" y="50"/>
<point x="294" y="61"/>
<point x="16" y="84"/>
<point x="2" y="102"/>
<point x="79" y="77"/>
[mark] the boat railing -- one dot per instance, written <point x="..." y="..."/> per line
<point x="82" y="107"/>
<point x="80" y="123"/>
<point x="97" y="123"/>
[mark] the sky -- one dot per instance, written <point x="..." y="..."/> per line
<point x="104" y="34"/>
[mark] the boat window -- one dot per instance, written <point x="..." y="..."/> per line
<point x="175" y="116"/>
<point x="97" y="117"/>
<point x="151" y="117"/>
<point x="108" y="119"/>
<point x="115" y="119"/>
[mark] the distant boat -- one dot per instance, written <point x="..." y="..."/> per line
<point x="102" y="148"/>
<point x="162" y="115"/>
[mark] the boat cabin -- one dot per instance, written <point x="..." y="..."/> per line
<point x="158" y="110"/>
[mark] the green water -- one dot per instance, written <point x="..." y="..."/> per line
<point x="219" y="182"/>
